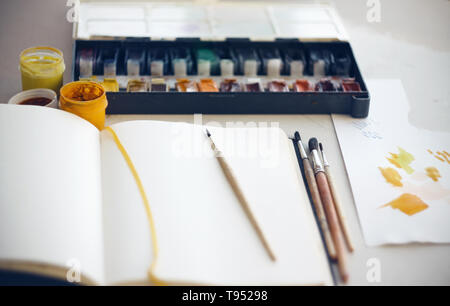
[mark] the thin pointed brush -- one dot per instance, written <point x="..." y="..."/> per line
<point x="337" y="202"/>
<point x="226" y="169"/>
<point x="315" y="196"/>
<point x="330" y="211"/>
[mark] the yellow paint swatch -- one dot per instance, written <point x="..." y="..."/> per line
<point x="110" y="85"/>
<point x="393" y="160"/>
<point x="402" y="160"/>
<point x="433" y="173"/>
<point x="408" y="204"/>
<point x="392" y="176"/>
<point x="443" y="156"/>
<point x="440" y="158"/>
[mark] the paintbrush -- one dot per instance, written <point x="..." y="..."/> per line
<point x="337" y="202"/>
<point x="327" y="200"/>
<point x="231" y="178"/>
<point x="315" y="196"/>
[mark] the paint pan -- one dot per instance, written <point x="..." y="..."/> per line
<point x="325" y="85"/>
<point x="337" y="82"/>
<point x="185" y="85"/>
<point x="303" y="86"/>
<point x="137" y="86"/>
<point x="251" y="68"/>
<point x="158" y="62"/>
<point x="278" y="86"/>
<point x="342" y="64"/>
<point x="207" y="62"/>
<point x="227" y="67"/>
<point x="228" y="62"/>
<point x="158" y="85"/>
<point x="135" y="61"/>
<point x="272" y="63"/>
<point x="321" y="63"/>
<point x="253" y="85"/>
<point x="110" y="85"/>
<point x="182" y="54"/>
<point x="179" y="67"/>
<point x="248" y="61"/>
<point x="350" y="86"/>
<point x="295" y="62"/>
<point x="86" y="62"/>
<point x="89" y="79"/>
<point x="207" y="85"/>
<point x="274" y="67"/>
<point x="109" y="59"/>
<point x="230" y="85"/>
<point x="203" y="68"/>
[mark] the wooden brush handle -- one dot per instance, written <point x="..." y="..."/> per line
<point x="242" y="200"/>
<point x="333" y="222"/>
<point x="317" y="202"/>
<point x="339" y="209"/>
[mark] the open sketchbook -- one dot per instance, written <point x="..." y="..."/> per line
<point x="67" y="196"/>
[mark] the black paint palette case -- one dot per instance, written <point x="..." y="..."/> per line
<point x="299" y="54"/>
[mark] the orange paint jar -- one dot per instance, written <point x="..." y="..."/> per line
<point x="85" y="99"/>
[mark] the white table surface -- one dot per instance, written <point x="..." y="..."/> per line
<point x="411" y="43"/>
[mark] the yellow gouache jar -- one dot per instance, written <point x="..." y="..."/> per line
<point x="85" y="99"/>
<point x="42" y="67"/>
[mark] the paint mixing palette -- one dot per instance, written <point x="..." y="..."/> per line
<point x="218" y="58"/>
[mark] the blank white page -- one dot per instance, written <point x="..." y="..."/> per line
<point x="203" y="234"/>
<point x="50" y="189"/>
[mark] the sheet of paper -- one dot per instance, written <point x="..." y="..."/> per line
<point x="50" y="190"/>
<point x="204" y="236"/>
<point x="400" y="175"/>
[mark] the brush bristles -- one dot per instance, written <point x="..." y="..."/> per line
<point x="208" y="133"/>
<point x="313" y="144"/>
<point x="320" y="146"/>
<point x="297" y="136"/>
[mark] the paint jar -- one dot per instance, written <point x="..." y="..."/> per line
<point x="42" y="67"/>
<point x="39" y="97"/>
<point x="85" y="99"/>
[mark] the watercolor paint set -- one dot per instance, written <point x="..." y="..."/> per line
<point x="218" y="58"/>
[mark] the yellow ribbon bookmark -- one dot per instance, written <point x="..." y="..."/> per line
<point x="155" y="280"/>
